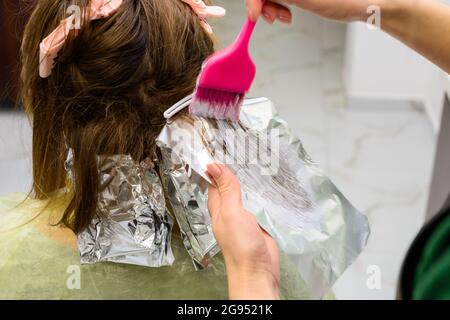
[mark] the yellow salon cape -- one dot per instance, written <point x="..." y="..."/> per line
<point x="40" y="261"/>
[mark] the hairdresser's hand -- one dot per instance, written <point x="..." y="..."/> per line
<point x="415" y="23"/>
<point x="341" y="10"/>
<point x="251" y="255"/>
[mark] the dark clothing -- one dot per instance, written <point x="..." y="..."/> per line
<point x="425" y="272"/>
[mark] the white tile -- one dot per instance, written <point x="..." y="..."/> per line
<point x="15" y="175"/>
<point x="381" y="159"/>
<point x="332" y="34"/>
<point x="15" y="135"/>
<point x="15" y="153"/>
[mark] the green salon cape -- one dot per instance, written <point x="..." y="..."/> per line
<point x="36" y="265"/>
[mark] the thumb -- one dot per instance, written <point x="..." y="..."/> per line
<point x="227" y="185"/>
<point x="254" y="8"/>
<point x="214" y="202"/>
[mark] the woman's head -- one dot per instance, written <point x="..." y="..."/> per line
<point x="107" y="91"/>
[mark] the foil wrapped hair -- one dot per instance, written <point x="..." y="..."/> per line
<point x="101" y="9"/>
<point x="314" y="225"/>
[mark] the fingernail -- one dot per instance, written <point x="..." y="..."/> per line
<point x="268" y="17"/>
<point x="214" y="170"/>
<point x="284" y="17"/>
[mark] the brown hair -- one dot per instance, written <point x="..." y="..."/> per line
<point x="107" y="92"/>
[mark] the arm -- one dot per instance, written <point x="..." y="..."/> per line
<point x="423" y="25"/>
<point x="251" y="255"/>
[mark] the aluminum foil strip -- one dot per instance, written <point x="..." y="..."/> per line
<point x="312" y="222"/>
<point x="132" y="224"/>
<point x="187" y="194"/>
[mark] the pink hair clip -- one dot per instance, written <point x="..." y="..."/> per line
<point x="51" y="45"/>
<point x="203" y="11"/>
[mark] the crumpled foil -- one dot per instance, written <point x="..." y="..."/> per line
<point x="314" y="225"/>
<point x="311" y="221"/>
<point x="132" y="224"/>
<point x="187" y="194"/>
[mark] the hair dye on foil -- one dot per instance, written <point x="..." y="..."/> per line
<point x="312" y="222"/>
<point x="318" y="231"/>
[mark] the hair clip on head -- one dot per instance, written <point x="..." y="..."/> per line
<point x="52" y="44"/>
<point x="203" y="12"/>
<point x="101" y="9"/>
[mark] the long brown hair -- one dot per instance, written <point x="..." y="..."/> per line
<point x="107" y="92"/>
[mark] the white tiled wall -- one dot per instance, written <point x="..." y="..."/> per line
<point x="15" y="153"/>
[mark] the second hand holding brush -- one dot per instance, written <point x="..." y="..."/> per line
<point x="226" y="77"/>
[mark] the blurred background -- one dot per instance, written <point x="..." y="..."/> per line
<point x="367" y="109"/>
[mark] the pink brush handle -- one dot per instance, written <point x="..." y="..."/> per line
<point x="246" y="33"/>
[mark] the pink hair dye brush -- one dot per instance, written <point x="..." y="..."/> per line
<point x="226" y="77"/>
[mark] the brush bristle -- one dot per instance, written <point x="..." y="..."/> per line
<point x="216" y="104"/>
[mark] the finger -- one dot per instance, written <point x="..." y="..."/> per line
<point x="227" y="185"/>
<point x="270" y="241"/>
<point x="274" y="11"/>
<point x="254" y="8"/>
<point x="214" y="203"/>
<point x="284" y="14"/>
<point x="274" y="254"/>
<point x="264" y="231"/>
